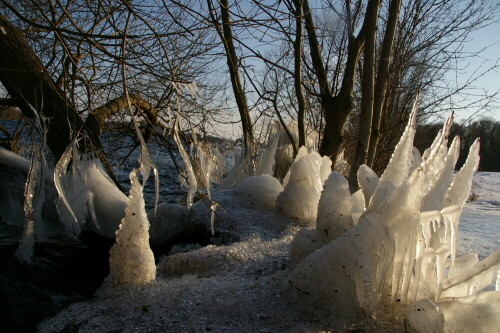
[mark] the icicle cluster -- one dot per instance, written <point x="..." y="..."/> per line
<point x="404" y="243"/>
<point x="87" y="195"/>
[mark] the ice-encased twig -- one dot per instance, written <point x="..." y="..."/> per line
<point x="34" y="197"/>
<point x="146" y="163"/>
<point x="266" y="162"/>
<point x="190" y="177"/>
<point x="474" y="278"/>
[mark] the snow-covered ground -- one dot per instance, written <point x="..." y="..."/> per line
<point x="479" y="228"/>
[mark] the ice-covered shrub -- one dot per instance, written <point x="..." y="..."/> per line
<point x="88" y="198"/>
<point x="402" y="251"/>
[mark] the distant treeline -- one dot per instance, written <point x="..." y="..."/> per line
<point x="488" y="130"/>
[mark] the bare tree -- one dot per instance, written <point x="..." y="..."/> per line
<point x="367" y="92"/>
<point x="224" y="31"/>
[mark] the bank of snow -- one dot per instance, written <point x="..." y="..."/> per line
<point x="480" y="220"/>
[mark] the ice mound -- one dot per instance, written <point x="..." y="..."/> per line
<point x="368" y="181"/>
<point x="302" y="189"/>
<point x="212" y="260"/>
<point x="131" y="259"/>
<point x="425" y="316"/>
<point x="334" y="209"/>
<point x="260" y="190"/>
<point x="339" y="278"/>
<point x="476" y="313"/>
<point x="168" y="221"/>
<point x="334" y="218"/>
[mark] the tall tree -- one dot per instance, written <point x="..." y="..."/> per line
<point x="297" y="73"/>
<point x="225" y="33"/>
<point x="29" y="84"/>
<point x="367" y="92"/>
<point x="336" y="108"/>
<point x="382" y="78"/>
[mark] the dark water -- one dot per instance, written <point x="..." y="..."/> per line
<point x="65" y="271"/>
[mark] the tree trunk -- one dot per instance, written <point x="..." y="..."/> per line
<point x="367" y="92"/>
<point x="226" y="36"/>
<point x="27" y="81"/>
<point x="335" y="108"/>
<point x="297" y="54"/>
<point x="382" y="79"/>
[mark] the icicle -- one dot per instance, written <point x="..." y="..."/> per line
<point x="434" y="199"/>
<point x="204" y="166"/>
<point x="71" y="224"/>
<point x="191" y="178"/>
<point x="34" y="197"/>
<point x="462" y="182"/>
<point x="452" y="215"/>
<point x="398" y="167"/>
<point x="266" y="161"/>
<point x="212" y="218"/>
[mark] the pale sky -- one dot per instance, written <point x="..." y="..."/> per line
<point x="488" y="38"/>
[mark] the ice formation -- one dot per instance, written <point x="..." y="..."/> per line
<point x="303" y="186"/>
<point x="131" y="259"/>
<point x="189" y="177"/>
<point x="334" y="218"/>
<point x="260" y="190"/>
<point x="265" y="164"/>
<point x="34" y="198"/>
<point x="425" y="316"/>
<point x="404" y="243"/>
<point x="87" y="196"/>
